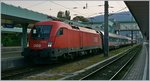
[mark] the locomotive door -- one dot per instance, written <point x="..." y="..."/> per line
<point x="81" y="40"/>
<point x="66" y="40"/>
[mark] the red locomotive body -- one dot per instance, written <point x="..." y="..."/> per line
<point x="49" y="40"/>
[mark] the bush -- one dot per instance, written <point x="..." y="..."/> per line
<point x="11" y="39"/>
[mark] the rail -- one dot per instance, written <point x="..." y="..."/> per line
<point x="112" y="69"/>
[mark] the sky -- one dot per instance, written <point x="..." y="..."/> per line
<point x="51" y="7"/>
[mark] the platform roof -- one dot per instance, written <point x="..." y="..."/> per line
<point x="21" y="15"/>
<point x="140" y="11"/>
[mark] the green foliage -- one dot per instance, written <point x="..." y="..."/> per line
<point x="67" y="15"/>
<point x="63" y="15"/>
<point x="60" y="14"/>
<point x="11" y="39"/>
<point x="80" y="18"/>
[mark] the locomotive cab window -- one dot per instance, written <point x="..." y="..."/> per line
<point x="41" y="32"/>
<point x="60" y="32"/>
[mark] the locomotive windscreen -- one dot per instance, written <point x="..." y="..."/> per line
<point x="41" y="32"/>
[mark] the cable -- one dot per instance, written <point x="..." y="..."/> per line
<point x="36" y="4"/>
<point x="120" y="9"/>
<point x="70" y="9"/>
<point x="66" y="7"/>
<point x="82" y="13"/>
<point x="89" y="9"/>
<point x="115" y="12"/>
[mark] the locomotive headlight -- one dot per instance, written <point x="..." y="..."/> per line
<point x="49" y="44"/>
<point x="28" y="44"/>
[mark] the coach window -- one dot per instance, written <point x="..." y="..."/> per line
<point x="60" y="32"/>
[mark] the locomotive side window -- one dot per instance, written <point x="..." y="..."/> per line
<point x="60" y="32"/>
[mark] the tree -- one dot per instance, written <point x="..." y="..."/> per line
<point x="67" y="15"/>
<point x="60" y="14"/>
<point x="80" y="18"/>
<point x="63" y="15"/>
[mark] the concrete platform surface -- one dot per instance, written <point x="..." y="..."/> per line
<point x="140" y="68"/>
<point x="7" y="52"/>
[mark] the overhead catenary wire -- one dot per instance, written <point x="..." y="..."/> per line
<point x="72" y="9"/>
<point x="121" y="9"/>
<point x="41" y="2"/>
<point x="114" y="12"/>
<point x="89" y="9"/>
<point x="66" y="7"/>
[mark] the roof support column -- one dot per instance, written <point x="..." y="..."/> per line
<point x="24" y="36"/>
<point x="106" y="38"/>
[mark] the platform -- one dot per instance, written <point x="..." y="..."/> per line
<point x="9" y="52"/>
<point x="11" y="58"/>
<point x="140" y="68"/>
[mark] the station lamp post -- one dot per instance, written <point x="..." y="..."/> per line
<point x="106" y="38"/>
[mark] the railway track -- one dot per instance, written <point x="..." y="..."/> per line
<point x="112" y="70"/>
<point x="19" y="73"/>
<point x="23" y="72"/>
<point x="16" y="74"/>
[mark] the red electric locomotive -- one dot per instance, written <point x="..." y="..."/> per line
<point x="49" y="40"/>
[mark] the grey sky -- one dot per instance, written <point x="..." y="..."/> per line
<point x="75" y="7"/>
